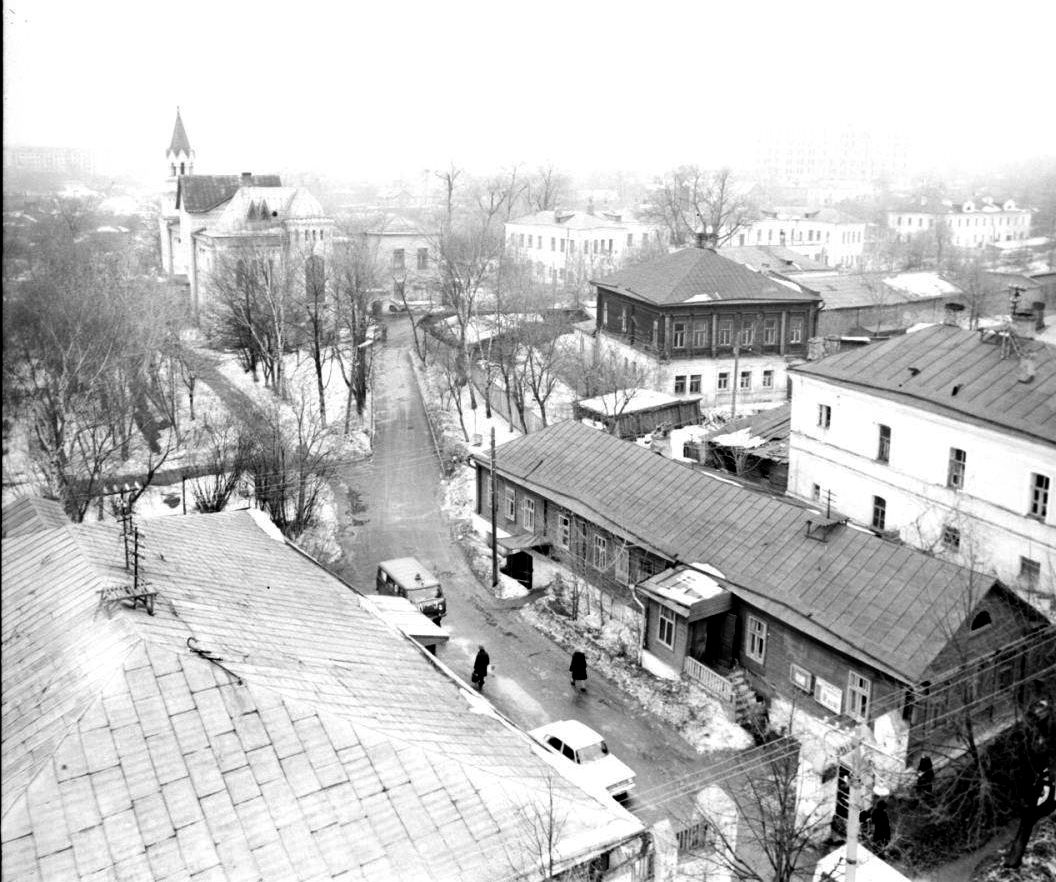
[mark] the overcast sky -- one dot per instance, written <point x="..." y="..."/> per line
<point x="382" y="88"/>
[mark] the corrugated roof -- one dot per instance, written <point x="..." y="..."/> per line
<point x="335" y="747"/>
<point x="30" y="514"/>
<point x="198" y="193"/>
<point x="698" y="275"/>
<point x="878" y="601"/>
<point x="951" y="371"/>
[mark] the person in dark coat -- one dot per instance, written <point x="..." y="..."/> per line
<point x="881" y="827"/>
<point x="578" y="671"/>
<point x="480" y="667"/>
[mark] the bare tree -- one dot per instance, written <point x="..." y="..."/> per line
<point x="689" y="199"/>
<point x="546" y="188"/>
<point x="355" y="281"/>
<point x="226" y="453"/>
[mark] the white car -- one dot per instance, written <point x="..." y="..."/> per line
<point x="585" y="747"/>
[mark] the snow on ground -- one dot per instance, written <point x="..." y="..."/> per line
<point x="610" y="641"/>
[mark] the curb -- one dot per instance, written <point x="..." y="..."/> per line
<point x="428" y="421"/>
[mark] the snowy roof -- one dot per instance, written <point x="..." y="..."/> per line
<point x="264" y="723"/>
<point x="869" y="868"/>
<point x="568" y="220"/>
<point x="629" y="401"/>
<point x="771" y="257"/>
<point x="695" y="594"/>
<point x="853" y="290"/>
<point x="402" y="614"/>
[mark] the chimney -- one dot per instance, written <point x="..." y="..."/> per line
<point x="247" y="179"/>
<point x="707" y="239"/>
<point x="832" y="344"/>
<point x="815" y="348"/>
<point x="1024" y="325"/>
<point x="1039" y="315"/>
<point x="952" y="314"/>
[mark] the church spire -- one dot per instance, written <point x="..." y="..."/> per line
<point x="179" y="143"/>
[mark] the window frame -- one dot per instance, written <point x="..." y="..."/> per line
<point x="724" y="335"/>
<point x="768" y="378"/>
<point x="423" y="258"/>
<point x="801" y="678"/>
<point x="1040" y="489"/>
<point x="951" y="537"/>
<point x="957" y="468"/>
<point x="756" y="632"/>
<point x="859" y="696"/>
<point x="599" y="558"/>
<point x="879" y="518"/>
<point x="665" y="622"/>
<point x="564" y="531"/>
<point x="795" y="329"/>
<point x="770" y="332"/>
<point x="722" y="381"/>
<point x="528" y="513"/>
<point x="622" y="565"/>
<point x="883" y="446"/>
<point x="510" y="504"/>
<point x="744" y="381"/>
<point x="680" y="384"/>
<point x="694" y="384"/>
<point x="824" y="416"/>
<point x="678" y="335"/>
<point x="700" y="335"/>
<point x="399" y="259"/>
<point x="1029" y="571"/>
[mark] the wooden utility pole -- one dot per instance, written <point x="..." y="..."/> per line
<point x="734" y="380"/>
<point x="854" y="801"/>
<point x="494" y="510"/>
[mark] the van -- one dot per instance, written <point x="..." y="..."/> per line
<point x="406" y="577"/>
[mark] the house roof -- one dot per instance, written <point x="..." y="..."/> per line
<point x="695" y="275"/>
<point x="631" y="400"/>
<point x="766" y="433"/>
<point x="878" y="601"/>
<point x="569" y="220"/>
<point x="198" y="193"/>
<point x="179" y="143"/>
<point x="30" y="514"/>
<point x="771" y="257"/>
<point x="853" y="290"/>
<point x="251" y="208"/>
<point x="954" y="372"/>
<point x="318" y="743"/>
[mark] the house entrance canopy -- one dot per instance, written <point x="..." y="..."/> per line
<point x="690" y="593"/>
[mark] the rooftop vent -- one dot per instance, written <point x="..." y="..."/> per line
<point x="952" y="314"/>
<point x="247" y="177"/>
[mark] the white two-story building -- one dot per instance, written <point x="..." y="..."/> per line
<point x="973" y="223"/>
<point x="827" y="235"/>
<point x="944" y="439"/>
<point x="568" y="248"/>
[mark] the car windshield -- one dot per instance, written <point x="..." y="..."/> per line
<point x="592" y="752"/>
<point x="420" y="594"/>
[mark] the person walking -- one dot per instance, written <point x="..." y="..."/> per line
<point x="577" y="671"/>
<point x="480" y="668"/>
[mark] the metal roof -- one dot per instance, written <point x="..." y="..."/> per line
<point x="953" y="372"/>
<point x="198" y="193"/>
<point x="875" y="600"/>
<point x="319" y="743"/>
<point x="30" y="514"/>
<point x="695" y="275"/>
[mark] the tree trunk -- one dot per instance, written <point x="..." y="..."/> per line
<point x="317" y="360"/>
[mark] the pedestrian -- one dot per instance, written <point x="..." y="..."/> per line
<point x="578" y="671"/>
<point x="480" y="668"/>
<point x="925" y="779"/>
<point x="881" y="827"/>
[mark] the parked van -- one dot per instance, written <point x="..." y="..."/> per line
<point x="406" y="577"/>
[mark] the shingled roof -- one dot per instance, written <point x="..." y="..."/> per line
<point x="696" y="275"/>
<point x="954" y="372"/>
<point x="30" y="514"/>
<point x="886" y="604"/>
<point x="198" y="193"/>
<point x="317" y="743"/>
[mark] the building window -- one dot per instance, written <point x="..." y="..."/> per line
<point x="564" y="531"/>
<point x="622" y="567"/>
<point x="858" y="689"/>
<point x="1039" y="495"/>
<point x="824" y="416"/>
<point x="723" y="384"/>
<point x="745" y="381"/>
<point x="827" y="695"/>
<point x="397" y="258"/>
<point x="756" y="646"/>
<point x="768" y="379"/>
<point x="528" y="514"/>
<point x="955" y="473"/>
<point x="601" y="552"/>
<point x="511" y="504"/>
<point x="795" y="330"/>
<point x="630" y="239"/>
<point x="530" y="237"/>
<point x="1029" y="571"/>
<point x="423" y="258"/>
<point x="623" y="320"/>
<point x="951" y="537"/>
<point x="815" y="492"/>
<point x="553" y="243"/>
<point x="680" y="384"/>
<point x="520" y="240"/>
<point x="700" y="335"/>
<point x="801" y="678"/>
<point x="879" y="512"/>
<point x="665" y="627"/>
<point x="694" y="384"/>
<point x="562" y="246"/>
<point x="678" y="336"/>
<point x="725" y="332"/>
<point x="747" y="335"/>
<point x="769" y="332"/>
<point x="883" y="451"/>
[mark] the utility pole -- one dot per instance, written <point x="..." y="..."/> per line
<point x="853" y="806"/>
<point x="734" y="379"/>
<point x="494" y="509"/>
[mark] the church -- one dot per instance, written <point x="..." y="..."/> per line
<point x="208" y="220"/>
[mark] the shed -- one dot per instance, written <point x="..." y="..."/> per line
<point x="690" y="593"/>
<point x="637" y="412"/>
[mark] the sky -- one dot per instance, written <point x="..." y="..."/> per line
<point x="379" y="90"/>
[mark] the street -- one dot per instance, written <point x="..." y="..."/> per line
<point x="393" y="510"/>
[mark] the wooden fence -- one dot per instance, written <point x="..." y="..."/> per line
<point x="712" y="681"/>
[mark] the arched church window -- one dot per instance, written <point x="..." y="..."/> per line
<point x="183" y="168"/>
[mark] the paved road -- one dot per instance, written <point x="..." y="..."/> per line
<point x="394" y="505"/>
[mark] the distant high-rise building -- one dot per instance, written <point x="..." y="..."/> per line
<point x="832" y="154"/>
<point x="58" y="160"/>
